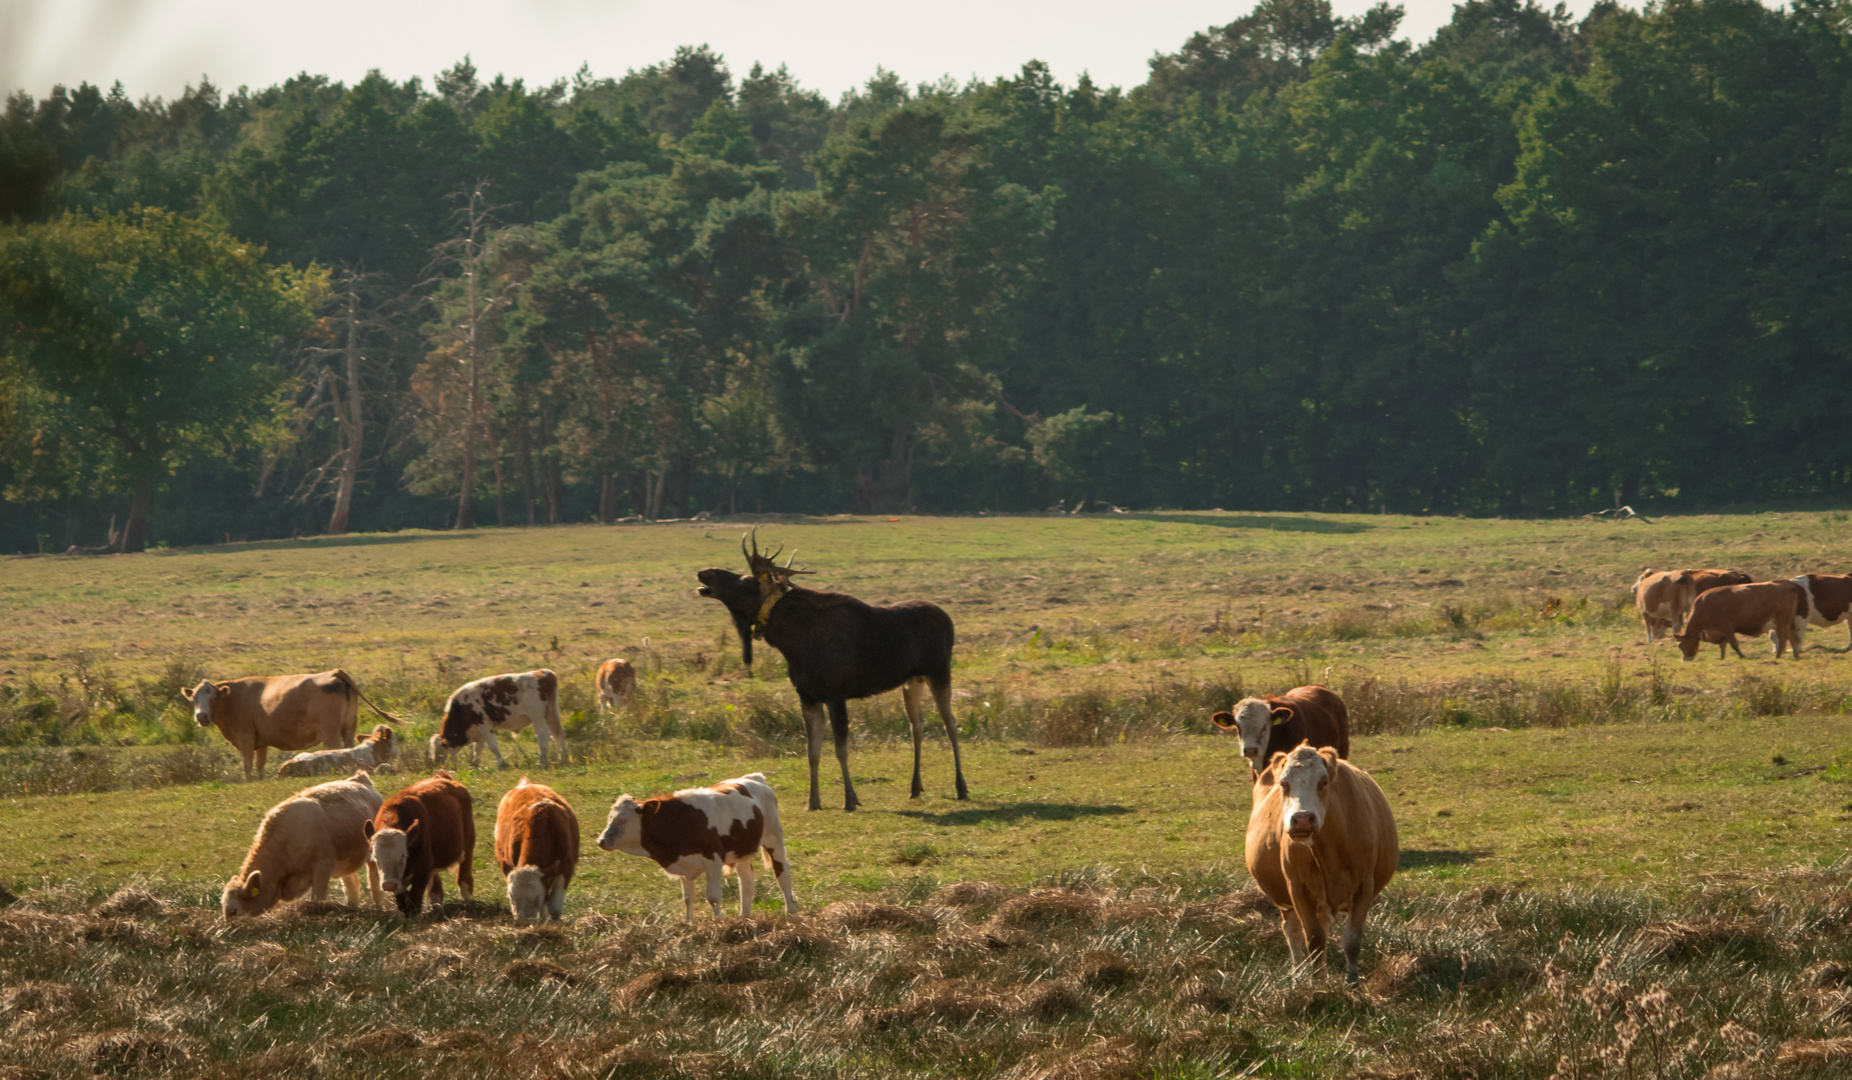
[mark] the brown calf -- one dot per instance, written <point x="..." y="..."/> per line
<point x="1777" y="608"/>
<point x="1313" y="714"/>
<point x="427" y="827"/>
<point x="617" y="680"/>
<point x="537" y="848"/>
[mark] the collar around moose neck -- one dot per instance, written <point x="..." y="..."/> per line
<point x="771" y="590"/>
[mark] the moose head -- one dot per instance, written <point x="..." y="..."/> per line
<point x="745" y="595"/>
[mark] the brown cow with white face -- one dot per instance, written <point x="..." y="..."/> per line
<point x="1314" y="714"/>
<point x="1829" y="600"/>
<point x="427" y="827"/>
<point x="289" y="712"/>
<point x="706" y="831"/>
<point x="1663" y="598"/>
<point x="537" y="849"/>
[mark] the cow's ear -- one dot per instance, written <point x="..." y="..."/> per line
<point x="367" y="828"/>
<point x="1275" y="763"/>
<point x="253" y="883"/>
<point x="186" y="692"/>
<point x="1224" y="720"/>
<point x="223" y="688"/>
<point x="1281" y="714"/>
<point x="1264" y="777"/>
<point x="1330" y="756"/>
<point x="412" y="828"/>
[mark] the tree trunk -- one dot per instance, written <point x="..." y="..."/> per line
<point x="352" y="427"/>
<point x="556" y="504"/>
<point x="607" y="499"/>
<point x="135" y="530"/>
<point x="886" y="493"/>
<point x="527" y="470"/>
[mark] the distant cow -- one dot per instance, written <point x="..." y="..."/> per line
<point x="375" y="750"/>
<point x="427" y="827"/>
<point x="706" y="831"/>
<point x="1313" y="714"/>
<point x="478" y="710"/>
<point x="1663" y="598"/>
<point x="617" y="680"/>
<point x="305" y="840"/>
<point x="537" y="848"/>
<point x="289" y="712"/>
<point x="1829" y="599"/>
<point x="1777" y="608"/>
<point x="1321" y="840"/>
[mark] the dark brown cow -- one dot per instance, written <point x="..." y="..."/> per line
<point x="1829" y="599"/>
<point x="1313" y="714"/>
<point x="428" y="827"/>
<point x="1776" y="608"/>
<point x="537" y="849"/>
<point x="705" y="831"/>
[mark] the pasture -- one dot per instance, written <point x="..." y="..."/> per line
<point x="1564" y="793"/>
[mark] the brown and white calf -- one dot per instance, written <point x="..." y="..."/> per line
<point x="375" y="750"/>
<point x="427" y="827"/>
<point x="1776" y="608"/>
<point x="617" y="681"/>
<point x="1829" y="599"/>
<point x="706" y="831"/>
<point x="1663" y="598"/>
<point x="1321" y="841"/>
<point x="289" y="712"/>
<point x="303" y="842"/>
<point x="504" y="704"/>
<point x="537" y="848"/>
<point x="1314" y="714"/>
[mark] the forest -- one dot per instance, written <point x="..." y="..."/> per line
<point x="1534" y="266"/>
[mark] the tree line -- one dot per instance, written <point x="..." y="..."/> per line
<point x="1531" y="266"/>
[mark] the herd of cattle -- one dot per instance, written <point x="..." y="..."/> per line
<point x="1321" y="839"/>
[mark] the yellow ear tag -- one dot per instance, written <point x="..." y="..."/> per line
<point x="1278" y="720"/>
<point x="251" y="891"/>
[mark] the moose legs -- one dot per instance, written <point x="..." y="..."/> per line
<point x="839" y="727"/>
<point x="910" y="693"/>
<point x="813" y="731"/>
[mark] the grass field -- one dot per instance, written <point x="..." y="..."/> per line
<point x="1086" y="913"/>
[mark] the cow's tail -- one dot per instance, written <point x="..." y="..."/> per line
<point x="348" y="681"/>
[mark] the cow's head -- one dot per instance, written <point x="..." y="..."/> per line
<point x="623" y="830"/>
<point x="385" y="743"/>
<point x="1688" y="643"/>
<point x="391" y="850"/>
<point x="527" y="893"/>
<point x="1303" y="777"/>
<point x="244" y="896"/>
<point x="202" y="697"/>
<point x="1254" y="720"/>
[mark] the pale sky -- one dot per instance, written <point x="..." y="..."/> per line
<point x="156" y="47"/>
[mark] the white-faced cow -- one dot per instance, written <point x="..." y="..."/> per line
<point x="304" y="841"/>
<point x="1313" y="714"/>
<point x="1776" y="608"/>
<point x="1829" y="599"/>
<point x="1663" y="598"/>
<point x="706" y="831"/>
<point x="504" y="704"/>
<point x="427" y="827"/>
<point x="289" y="712"/>
<point x="375" y="750"/>
<point x="537" y="849"/>
<point x="617" y="680"/>
<point x="1321" y="841"/>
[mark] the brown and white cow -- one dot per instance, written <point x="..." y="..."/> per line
<point x="1829" y="599"/>
<point x="289" y="712"/>
<point x="1321" y="841"/>
<point x="617" y="681"/>
<point x="1776" y="608"/>
<point x="478" y="710"/>
<point x="706" y="831"/>
<point x="1314" y="714"/>
<point x="378" y="748"/>
<point x="1663" y="598"/>
<point x="537" y="848"/>
<point x="305" y="840"/>
<point x="427" y="827"/>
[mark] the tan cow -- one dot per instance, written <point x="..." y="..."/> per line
<point x="305" y="840"/>
<point x="1829" y="599"/>
<point x="1321" y="840"/>
<point x="1664" y="597"/>
<point x="617" y="680"/>
<point x="1776" y="608"/>
<point x="289" y="712"/>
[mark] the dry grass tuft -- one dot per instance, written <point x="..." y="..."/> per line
<point x="650" y="984"/>
<point x="1679" y="941"/>
<point x="1827" y="974"/>
<point x="1814" y="1053"/>
<point x="533" y="972"/>
<point x="1099" y="1059"/>
<point x="970" y="894"/>
<point x="132" y="900"/>
<point x="35" y="996"/>
<point x="1103" y="970"/>
<point x="428" y="959"/>
<point x="379" y="1041"/>
<point x="859" y="915"/>
<point x="1050" y="907"/>
<point x="129" y="1051"/>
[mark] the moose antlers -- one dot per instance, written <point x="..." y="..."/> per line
<point x="754" y="558"/>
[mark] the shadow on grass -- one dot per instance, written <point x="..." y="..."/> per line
<point x="1420" y="858"/>
<point x="1259" y="521"/>
<point x="1012" y="812"/>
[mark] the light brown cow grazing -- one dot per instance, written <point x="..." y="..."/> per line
<point x="375" y="750"/>
<point x="1321" y="840"/>
<point x="1664" y="597"/>
<point x="305" y="840"/>
<point x="289" y="712"/>
<point x="1829" y="599"/>
<point x="1776" y="608"/>
<point x="1313" y="714"/>
<point x="617" y="680"/>
<point x="537" y="848"/>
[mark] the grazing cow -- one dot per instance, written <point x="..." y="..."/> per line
<point x="537" y="848"/>
<point x="1663" y="598"/>
<point x="308" y="838"/>
<point x="500" y="703"/>
<point x="838" y="648"/>
<point x="1313" y="714"/>
<point x="289" y="712"/>
<point x="373" y="751"/>
<point x="617" y="680"/>
<point x="1776" y="608"/>
<point x="1829" y="599"/>
<point x="428" y="827"/>
<point x="706" y="831"/>
<point x="1321" y="841"/>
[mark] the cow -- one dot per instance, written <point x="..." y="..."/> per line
<point x="617" y="680"/>
<point x="1829" y="600"/>
<point x="708" y="831"/>
<point x="375" y="750"/>
<point x="1663" y="598"/>
<point x="289" y="712"/>
<point x="1776" y="608"/>
<point x="1321" y="841"/>
<point x="537" y="849"/>
<point x="1312" y="714"/>
<point x="305" y="840"/>
<point x="427" y="827"/>
<point x="500" y="703"/>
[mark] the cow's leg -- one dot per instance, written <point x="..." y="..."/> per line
<point x="494" y="748"/>
<point x="436" y="893"/>
<point x="716" y="881"/>
<point x="262" y="752"/>
<point x="318" y="881"/>
<point x="743" y="870"/>
<point x="813" y="730"/>
<point x="350" y="889"/>
<point x="466" y="876"/>
<point x="942" y="698"/>
<point x="556" y="898"/>
<point x="781" y="870"/>
<point x="1735" y="646"/>
<point x="1295" y="937"/>
<point x="1353" y="939"/>
<point x="379" y="897"/>
<point x="839" y="728"/>
<point x="688" y="896"/>
<point x="910" y="693"/>
<point x="543" y="739"/>
<point x="249" y="755"/>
